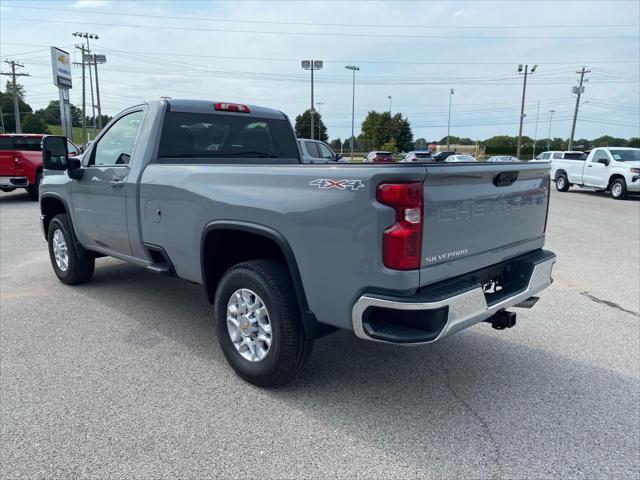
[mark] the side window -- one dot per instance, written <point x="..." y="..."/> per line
<point x="544" y="156"/>
<point x="72" y="149"/>
<point x="312" y="149"/>
<point x="324" y="151"/>
<point x="557" y="155"/>
<point x="599" y="155"/>
<point x="116" y="145"/>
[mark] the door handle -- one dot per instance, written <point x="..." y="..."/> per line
<point x="589" y="166"/>
<point x="117" y="183"/>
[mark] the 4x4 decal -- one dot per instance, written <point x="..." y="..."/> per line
<point x="346" y="184"/>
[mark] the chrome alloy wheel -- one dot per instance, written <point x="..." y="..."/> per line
<point x="60" y="251"/>
<point x="560" y="182"/>
<point x="248" y="325"/>
<point x="616" y="189"/>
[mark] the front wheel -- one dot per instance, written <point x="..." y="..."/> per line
<point x="562" y="183"/>
<point x="70" y="265"/>
<point x="619" y="189"/>
<point x="258" y="323"/>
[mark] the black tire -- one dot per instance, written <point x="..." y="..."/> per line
<point x="80" y="264"/>
<point x="562" y="182"/>
<point x="34" y="189"/>
<point x="619" y="189"/>
<point x="289" y="347"/>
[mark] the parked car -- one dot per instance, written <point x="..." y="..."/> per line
<point x="556" y="155"/>
<point x="316" y="151"/>
<point x="502" y="158"/>
<point x="614" y="169"/>
<point x="21" y="162"/>
<point x="216" y="194"/>
<point x="417" y="157"/>
<point x="459" y="158"/>
<point x="379" y="156"/>
<point x="442" y="156"/>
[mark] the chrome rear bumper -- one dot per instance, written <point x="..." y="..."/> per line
<point x="14" y="182"/>
<point x="460" y="310"/>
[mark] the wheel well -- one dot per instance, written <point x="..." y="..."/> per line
<point x="559" y="172"/>
<point x="223" y="248"/>
<point x="50" y="207"/>
<point x="614" y="177"/>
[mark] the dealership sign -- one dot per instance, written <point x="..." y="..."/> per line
<point x="61" y="67"/>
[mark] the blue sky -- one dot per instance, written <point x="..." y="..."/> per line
<point x="250" y="52"/>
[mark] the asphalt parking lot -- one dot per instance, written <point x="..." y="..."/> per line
<point x="122" y="377"/>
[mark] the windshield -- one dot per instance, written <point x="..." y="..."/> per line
<point x="631" y="155"/>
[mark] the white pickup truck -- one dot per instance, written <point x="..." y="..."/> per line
<point x="616" y="169"/>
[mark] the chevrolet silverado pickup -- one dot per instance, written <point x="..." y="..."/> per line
<point x="616" y="169"/>
<point x="215" y="193"/>
<point x="21" y="162"/>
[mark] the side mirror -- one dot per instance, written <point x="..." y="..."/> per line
<point x="54" y="153"/>
<point x="338" y="157"/>
<point x="604" y="161"/>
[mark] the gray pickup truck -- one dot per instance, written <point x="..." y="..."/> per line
<point x="216" y="194"/>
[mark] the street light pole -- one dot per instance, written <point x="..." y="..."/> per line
<point x="535" y="137"/>
<point x="389" y="97"/>
<point x="551" y="112"/>
<point x="319" y="104"/>
<point x="451" y="92"/>
<point x="354" y="69"/>
<point x="86" y="50"/>
<point x="312" y="65"/>
<point x="524" y="92"/>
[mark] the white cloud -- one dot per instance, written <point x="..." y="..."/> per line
<point x="458" y="13"/>
<point x="90" y="3"/>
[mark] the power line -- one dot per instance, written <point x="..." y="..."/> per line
<point x="317" y="24"/>
<point x="320" y="34"/>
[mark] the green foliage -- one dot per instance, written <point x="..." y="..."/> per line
<point x="32" y="124"/>
<point x="9" y="89"/>
<point x="303" y="126"/>
<point x="335" y="144"/>
<point x="6" y="105"/>
<point x="608" y="141"/>
<point x="51" y="114"/>
<point x="634" y="142"/>
<point x="453" y="140"/>
<point x="379" y="128"/>
<point x="420" y="144"/>
<point x="390" y="146"/>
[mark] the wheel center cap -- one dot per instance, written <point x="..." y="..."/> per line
<point x="246" y="326"/>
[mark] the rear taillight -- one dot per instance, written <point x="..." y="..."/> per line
<point x="402" y="241"/>
<point x="231" y="107"/>
<point x="17" y="161"/>
<point x="546" y="215"/>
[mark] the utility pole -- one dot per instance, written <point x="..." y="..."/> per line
<point x="95" y="63"/>
<point x="524" y="92"/>
<point x="319" y="104"/>
<point x="16" y="107"/>
<point x="2" y="121"/>
<point x="354" y="69"/>
<point x="84" y="96"/>
<point x="579" y="91"/>
<point x="449" y="121"/>
<point x="551" y="112"/>
<point x="312" y="65"/>
<point x="389" y="97"/>
<point x="535" y="137"/>
<point x="87" y="36"/>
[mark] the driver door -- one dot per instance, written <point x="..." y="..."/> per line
<point x="99" y="197"/>
<point x="595" y="173"/>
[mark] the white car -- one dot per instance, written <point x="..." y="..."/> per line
<point x="556" y="155"/>
<point x="616" y="169"/>
<point x="502" y="158"/>
<point x="459" y="158"/>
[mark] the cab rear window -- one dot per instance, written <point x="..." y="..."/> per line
<point x="220" y="138"/>
<point x="33" y="144"/>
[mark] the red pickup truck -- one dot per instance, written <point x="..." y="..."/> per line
<point x="21" y="162"/>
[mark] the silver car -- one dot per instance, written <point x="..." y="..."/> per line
<point x="459" y="158"/>
<point x="316" y="151"/>
<point x="417" y="157"/>
<point x="502" y="158"/>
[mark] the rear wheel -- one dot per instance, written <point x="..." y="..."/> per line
<point x="34" y="189"/>
<point x="70" y="265"/>
<point x="258" y="323"/>
<point x="619" y="189"/>
<point x="562" y="183"/>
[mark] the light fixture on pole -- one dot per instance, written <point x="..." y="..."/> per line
<point x="312" y="65"/>
<point x="451" y="92"/>
<point x="524" y="72"/>
<point x="354" y="69"/>
<point x="551" y="112"/>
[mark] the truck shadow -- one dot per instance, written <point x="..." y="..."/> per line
<point x="604" y="195"/>
<point x="19" y="195"/>
<point x="509" y="407"/>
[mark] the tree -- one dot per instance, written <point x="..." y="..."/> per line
<point x="6" y="105"/>
<point x="379" y="128"/>
<point x="303" y="126"/>
<point x="608" y="141"/>
<point x="9" y="89"/>
<point x="453" y="140"/>
<point x="32" y="124"/>
<point x="335" y="144"/>
<point x="420" y="144"/>
<point x="50" y="115"/>
<point x="390" y="146"/>
<point x="634" y="142"/>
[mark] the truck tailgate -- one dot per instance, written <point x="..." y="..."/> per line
<point x="6" y="160"/>
<point x="476" y="215"/>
